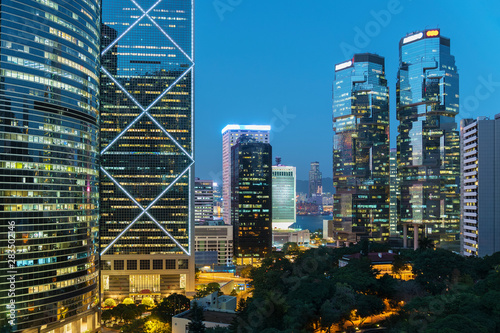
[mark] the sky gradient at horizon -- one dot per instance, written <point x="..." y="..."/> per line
<point x="272" y="63"/>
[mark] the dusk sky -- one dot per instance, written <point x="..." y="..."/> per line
<point x="272" y="63"/>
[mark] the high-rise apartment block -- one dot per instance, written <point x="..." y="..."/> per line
<point x="203" y="200"/>
<point x="480" y="186"/>
<point x="284" y="189"/>
<point x="361" y="149"/>
<point x="251" y="204"/>
<point x="427" y="101"/>
<point x="315" y="180"/>
<point x="230" y="135"/>
<point x="147" y="181"/>
<point x="49" y="199"/>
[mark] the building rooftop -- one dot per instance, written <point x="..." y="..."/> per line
<point x="211" y="316"/>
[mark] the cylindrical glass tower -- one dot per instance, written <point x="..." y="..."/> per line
<point x="49" y="100"/>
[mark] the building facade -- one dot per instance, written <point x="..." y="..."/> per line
<point x="203" y="200"/>
<point x="480" y="186"/>
<point x="49" y="199"/>
<point x="230" y="135"/>
<point x="284" y="190"/>
<point x="217" y="238"/>
<point x="361" y="149"/>
<point x="251" y="204"/>
<point x="146" y="180"/>
<point x="315" y="180"/>
<point x="427" y="101"/>
<point x="393" y="192"/>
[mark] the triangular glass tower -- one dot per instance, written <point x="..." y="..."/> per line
<point x="146" y="147"/>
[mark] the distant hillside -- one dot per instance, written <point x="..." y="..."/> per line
<point x="303" y="185"/>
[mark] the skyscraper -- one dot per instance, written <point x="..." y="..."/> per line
<point x="315" y="180"/>
<point x="393" y="192"/>
<point x="480" y="186"/>
<point x="284" y="190"/>
<point x="203" y="200"/>
<point x="251" y="205"/>
<point x="147" y="180"/>
<point x="361" y="149"/>
<point x="230" y="135"/>
<point x="49" y="100"/>
<point x="428" y="142"/>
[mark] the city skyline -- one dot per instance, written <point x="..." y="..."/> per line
<point x="300" y="101"/>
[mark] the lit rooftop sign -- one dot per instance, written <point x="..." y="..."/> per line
<point x="343" y="65"/>
<point x="432" y="33"/>
<point x="246" y="128"/>
<point x="413" y="38"/>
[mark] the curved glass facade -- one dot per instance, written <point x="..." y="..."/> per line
<point x="48" y="164"/>
<point x="361" y="149"/>
<point x="427" y="99"/>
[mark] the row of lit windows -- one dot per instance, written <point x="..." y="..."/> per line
<point x="44" y="166"/>
<point x="48" y="141"/>
<point x="46" y="207"/>
<point x="45" y="81"/>
<point x="52" y="70"/>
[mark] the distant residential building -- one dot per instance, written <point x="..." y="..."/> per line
<point x="361" y="149"/>
<point x="427" y="101"/>
<point x="284" y="190"/>
<point x="480" y="186"/>
<point x="315" y="180"/>
<point x="218" y="238"/>
<point x="393" y="192"/>
<point x="203" y="200"/>
<point x="251" y="205"/>
<point x="230" y="135"/>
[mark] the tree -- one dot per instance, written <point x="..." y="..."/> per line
<point x="209" y="289"/>
<point x="425" y="243"/>
<point x="170" y="306"/>
<point x="148" y="301"/>
<point x="106" y="315"/>
<point x="291" y="248"/>
<point x="196" y="325"/>
<point x="154" y="325"/>
<point x="128" y="315"/>
<point x="110" y="303"/>
<point x="128" y="300"/>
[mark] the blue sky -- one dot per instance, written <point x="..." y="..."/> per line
<point x="271" y="62"/>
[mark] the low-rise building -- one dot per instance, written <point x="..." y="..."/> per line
<point x="215" y="238"/>
<point x="383" y="262"/>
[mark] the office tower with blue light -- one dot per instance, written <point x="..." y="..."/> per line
<point x="427" y="101"/>
<point x="480" y="186"/>
<point x="251" y="199"/>
<point x="361" y="149"/>
<point x="49" y="199"/>
<point x="284" y="191"/>
<point x="146" y="146"/>
<point x="230" y="135"/>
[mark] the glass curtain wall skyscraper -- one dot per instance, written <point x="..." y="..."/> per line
<point x="361" y="149"/>
<point x="230" y="135"/>
<point x="284" y="191"/>
<point x="147" y="203"/>
<point x="49" y="103"/>
<point x="427" y="101"/>
<point x="251" y="199"/>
